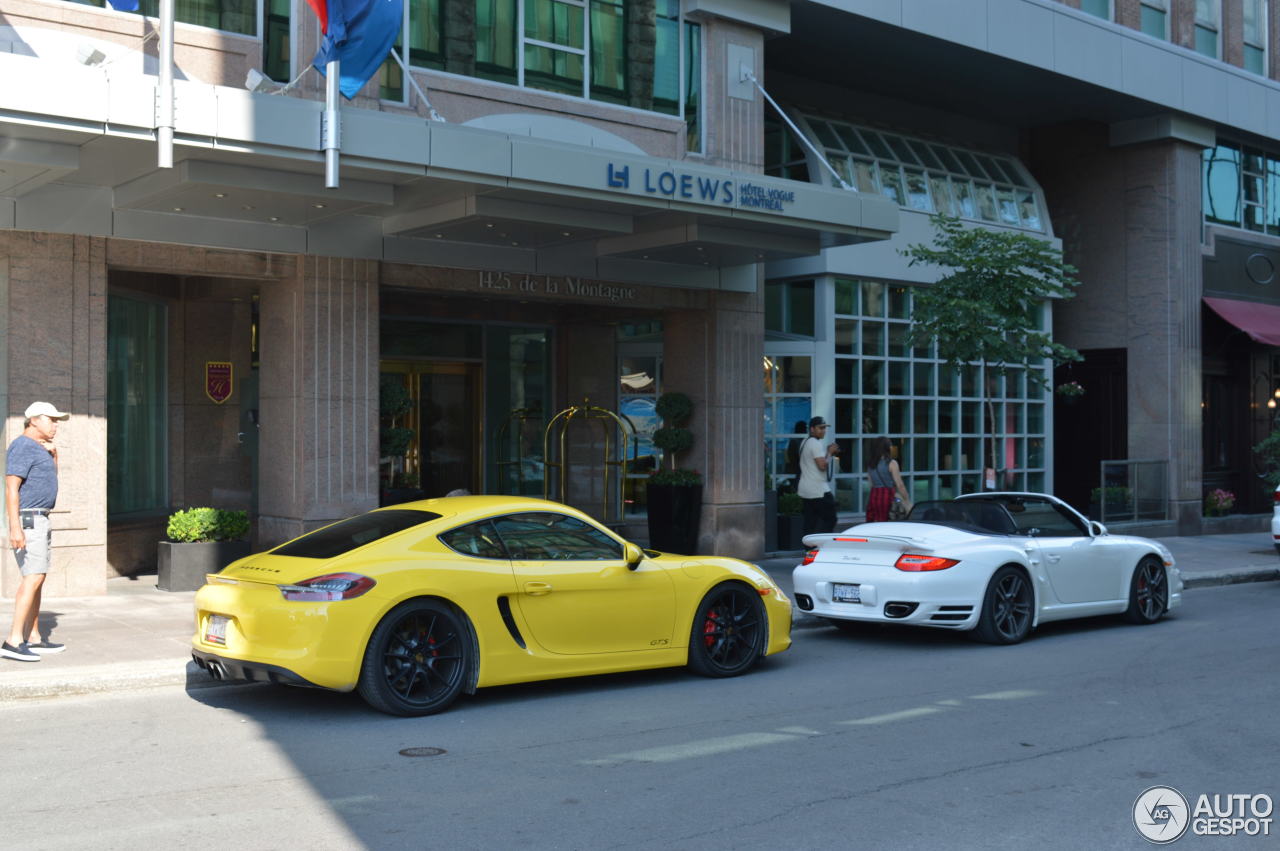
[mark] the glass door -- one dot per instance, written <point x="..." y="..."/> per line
<point x="445" y="420"/>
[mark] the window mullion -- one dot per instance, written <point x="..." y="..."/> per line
<point x="586" y="51"/>
<point x="681" y="81"/>
<point x="520" y="43"/>
<point x="551" y="45"/>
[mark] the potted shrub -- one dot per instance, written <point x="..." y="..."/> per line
<point x="1219" y="502"/>
<point x="201" y="541"/>
<point x="1119" y="503"/>
<point x="790" y="521"/>
<point x="674" y="494"/>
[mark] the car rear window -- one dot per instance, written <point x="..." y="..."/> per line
<point x="346" y="535"/>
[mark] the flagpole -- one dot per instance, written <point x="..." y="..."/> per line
<point x="164" y="93"/>
<point x="330" y="131"/>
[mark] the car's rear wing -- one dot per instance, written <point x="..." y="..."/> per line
<point x="849" y="540"/>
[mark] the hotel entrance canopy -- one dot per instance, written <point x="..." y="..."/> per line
<point x="77" y="155"/>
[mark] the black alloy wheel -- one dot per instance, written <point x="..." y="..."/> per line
<point x="417" y="659"/>
<point x="1006" y="608"/>
<point x="728" y="631"/>
<point x="1148" y="592"/>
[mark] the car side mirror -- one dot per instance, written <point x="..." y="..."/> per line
<point x="633" y="554"/>
<point x="1098" y="529"/>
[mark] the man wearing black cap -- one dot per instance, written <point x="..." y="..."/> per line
<point x="814" y="488"/>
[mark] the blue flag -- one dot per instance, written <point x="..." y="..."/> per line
<point x="359" y="34"/>
<point x="124" y="5"/>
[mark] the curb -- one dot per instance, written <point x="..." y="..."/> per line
<point x="1232" y="577"/>
<point x="118" y="676"/>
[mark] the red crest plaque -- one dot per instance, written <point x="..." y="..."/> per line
<point x="217" y="380"/>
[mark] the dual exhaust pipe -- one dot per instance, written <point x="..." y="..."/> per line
<point x="213" y="667"/>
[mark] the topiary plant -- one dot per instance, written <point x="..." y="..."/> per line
<point x="673" y="438"/>
<point x="205" y="525"/>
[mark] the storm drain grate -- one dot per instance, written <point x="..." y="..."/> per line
<point x="422" y="751"/>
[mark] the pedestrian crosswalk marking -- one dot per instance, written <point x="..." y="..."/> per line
<point x="889" y="717"/>
<point x="1015" y="694"/>
<point x="743" y="741"/>
<point x="695" y="750"/>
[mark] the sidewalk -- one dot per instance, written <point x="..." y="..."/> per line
<point x="136" y="636"/>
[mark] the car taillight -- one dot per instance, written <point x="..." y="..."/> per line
<point x="1277" y="496"/>
<point x="331" y="586"/>
<point x="916" y="563"/>
<point x="810" y="556"/>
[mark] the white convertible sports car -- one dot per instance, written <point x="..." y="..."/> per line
<point x="995" y="563"/>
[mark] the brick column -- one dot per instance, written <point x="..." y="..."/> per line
<point x="318" y="440"/>
<point x="715" y="357"/>
<point x="53" y="291"/>
<point x="1164" y="268"/>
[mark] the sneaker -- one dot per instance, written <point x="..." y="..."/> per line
<point x="44" y="648"/>
<point x="21" y="653"/>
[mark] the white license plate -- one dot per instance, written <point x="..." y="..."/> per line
<point x="215" y="630"/>
<point x="846" y="593"/>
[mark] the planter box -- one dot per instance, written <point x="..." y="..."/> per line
<point x="790" y="532"/>
<point x="674" y="514"/>
<point x="182" y="567"/>
<point x="770" y="529"/>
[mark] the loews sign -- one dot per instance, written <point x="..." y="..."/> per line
<point x="693" y="187"/>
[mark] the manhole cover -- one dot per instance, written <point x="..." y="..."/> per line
<point x="422" y="751"/>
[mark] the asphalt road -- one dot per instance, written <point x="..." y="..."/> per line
<point x="886" y="738"/>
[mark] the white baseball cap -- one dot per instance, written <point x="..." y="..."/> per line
<point x="44" y="409"/>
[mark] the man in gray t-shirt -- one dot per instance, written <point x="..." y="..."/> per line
<point x="31" y="492"/>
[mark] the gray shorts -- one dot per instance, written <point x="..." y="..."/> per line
<point x="34" y="557"/>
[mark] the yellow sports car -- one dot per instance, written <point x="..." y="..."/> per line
<point x="414" y="604"/>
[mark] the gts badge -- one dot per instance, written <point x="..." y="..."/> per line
<point x="659" y="642"/>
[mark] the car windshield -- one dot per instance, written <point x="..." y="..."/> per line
<point x="346" y="535"/>
<point x="973" y="516"/>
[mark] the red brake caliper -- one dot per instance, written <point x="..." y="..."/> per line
<point x="709" y="629"/>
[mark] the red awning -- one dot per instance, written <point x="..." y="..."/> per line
<point x="1259" y="321"/>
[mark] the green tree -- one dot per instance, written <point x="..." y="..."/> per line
<point x="985" y="307"/>
<point x="1268" y="452"/>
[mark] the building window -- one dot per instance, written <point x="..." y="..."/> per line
<point x="1154" y="18"/>
<point x="639" y="386"/>
<point x="1241" y="187"/>
<point x="233" y="16"/>
<point x="1099" y="8"/>
<point x="936" y="416"/>
<point x="555" y="44"/>
<point x="1255" y="36"/>
<point x="137" y="436"/>
<point x="276" y="46"/>
<point x="921" y="175"/>
<point x="788" y="385"/>
<point x="426" y="25"/>
<point x="1206" y="27"/>
<point x="643" y="55"/>
<point x="784" y="155"/>
<point x="391" y="75"/>
<point x="788" y="309"/>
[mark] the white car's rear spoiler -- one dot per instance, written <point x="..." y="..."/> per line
<point x="849" y="540"/>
